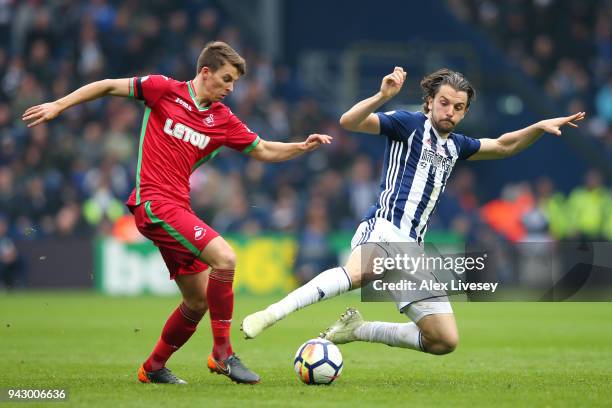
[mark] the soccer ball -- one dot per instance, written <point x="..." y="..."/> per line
<point x="318" y="361"/>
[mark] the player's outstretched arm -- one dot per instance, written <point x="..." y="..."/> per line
<point x="278" y="151"/>
<point x="361" y="117"/>
<point x="48" y="111"/>
<point x="512" y="143"/>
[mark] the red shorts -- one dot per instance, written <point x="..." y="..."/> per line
<point x="178" y="233"/>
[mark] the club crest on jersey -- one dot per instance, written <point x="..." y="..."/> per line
<point x="199" y="232"/>
<point x="186" y="134"/>
<point x="209" y="120"/>
<point x="439" y="148"/>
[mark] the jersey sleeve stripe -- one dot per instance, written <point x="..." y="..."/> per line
<point x="251" y="146"/>
<point x="131" y="87"/>
<point x="143" y="131"/>
<point x="139" y="89"/>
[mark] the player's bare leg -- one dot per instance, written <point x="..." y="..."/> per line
<point x="439" y="334"/>
<point x="220" y="295"/>
<point x="326" y="285"/>
<point x="193" y="290"/>
<point x="178" y="329"/>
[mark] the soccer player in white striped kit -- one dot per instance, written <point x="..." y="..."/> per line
<point x="421" y="152"/>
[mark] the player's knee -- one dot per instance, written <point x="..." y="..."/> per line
<point x="444" y="343"/>
<point x="449" y="342"/>
<point x="225" y="260"/>
<point x="440" y="339"/>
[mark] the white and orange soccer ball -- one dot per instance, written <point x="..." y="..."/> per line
<point x="318" y="361"/>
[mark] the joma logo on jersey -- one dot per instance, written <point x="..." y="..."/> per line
<point x="186" y="134"/>
<point x="182" y="103"/>
<point x="435" y="159"/>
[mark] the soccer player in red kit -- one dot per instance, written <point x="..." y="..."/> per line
<point x="185" y="125"/>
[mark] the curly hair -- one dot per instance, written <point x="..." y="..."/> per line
<point x="431" y="84"/>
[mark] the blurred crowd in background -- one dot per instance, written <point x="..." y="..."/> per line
<point x="564" y="45"/>
<point x="70" y="177"/>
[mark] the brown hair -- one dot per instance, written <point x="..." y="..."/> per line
<point x="431" y="84"/>
<point x="216" y="53"/>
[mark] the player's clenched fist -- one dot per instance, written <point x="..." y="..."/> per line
<point x="392" y="83"/>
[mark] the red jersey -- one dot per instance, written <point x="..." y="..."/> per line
<point x="178" y="135"/>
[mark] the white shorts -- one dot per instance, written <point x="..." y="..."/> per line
<point x="387" y="235"/>
<point x="418" y="310"/>
<point x="378" y="230"/>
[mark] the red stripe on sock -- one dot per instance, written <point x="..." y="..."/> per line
<point x="222" y="274"/>
<point x="190" y="314"/>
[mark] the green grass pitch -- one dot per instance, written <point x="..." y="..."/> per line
<point x="510" y="354"/>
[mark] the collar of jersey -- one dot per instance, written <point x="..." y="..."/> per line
<point x="440" y="139"/>
<point x="193" y="98"/>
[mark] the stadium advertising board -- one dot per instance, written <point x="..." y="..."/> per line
<point x="138" y="268"/>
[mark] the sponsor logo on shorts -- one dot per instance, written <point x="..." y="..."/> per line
<point x="199" y="232"/>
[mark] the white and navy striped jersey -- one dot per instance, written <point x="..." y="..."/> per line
<point x="416" y="168"/>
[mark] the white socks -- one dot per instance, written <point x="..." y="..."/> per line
<point x="336" y="281"/>
<point x="325" y="285"/>
<point x="406" y="335"/>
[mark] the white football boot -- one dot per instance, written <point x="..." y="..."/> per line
<point x="255" y="323"/>
<point x="343" y="330"/>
